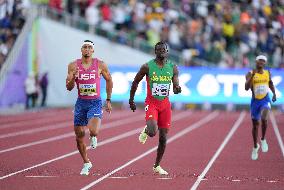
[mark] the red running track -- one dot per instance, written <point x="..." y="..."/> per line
<point x="205" y="150"/>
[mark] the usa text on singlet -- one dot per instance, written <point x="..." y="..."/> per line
<point x="88" y="80"/>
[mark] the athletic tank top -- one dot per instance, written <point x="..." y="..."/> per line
<point x="159" y="79"/>
<point x="260" y="84"/>
<point x="88" y="80"/>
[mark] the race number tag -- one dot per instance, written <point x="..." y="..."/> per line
<point x="87" y="89"/>
<point x="260" y="90"/>
<point x="160" y="89"/>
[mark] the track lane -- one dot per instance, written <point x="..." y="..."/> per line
<point x="103" y="155"/>
<point x="234" y="168"/>
<point x="185" y="158"/>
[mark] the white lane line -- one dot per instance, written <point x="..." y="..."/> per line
<point x="40" y="176"/>
<point x="61" y="125"/>
<point x="107" y="141"/>
<point x="110" y="140"/>
<point x="32" y="131"/>
<point x="224" y="143"/>
<point x="176" y="136"/>
<point x="277" y="133"/>
<point x="119" y="177"/>
<point x="71" y="134"/>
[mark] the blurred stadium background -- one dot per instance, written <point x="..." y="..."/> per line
<point x="214" y="43"/>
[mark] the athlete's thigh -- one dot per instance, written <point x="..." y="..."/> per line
<point x="265" y="108"/>
<point x="165" y="116"/>
<point x="151" y="117"/>
<point x="255" y="110"/>
<point x="94" y="114"/>
<point x="80" y="113"/>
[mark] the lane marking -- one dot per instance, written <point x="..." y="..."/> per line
<point x="277" y="133"/>
<point x="224" y="143"/>
<point x="107" y="141"/>
<point x="37" y="120"/>
<point x="64" y="124"/>
<point x="40" y="176"/>
<point x="118" y="177"/>
<point x="176" y="136"/>
<point x="71" y="134"/>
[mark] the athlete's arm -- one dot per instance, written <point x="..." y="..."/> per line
<point x="175" y="80"/>
<point x="144" y="70"/>
<point x="70" y="79"/>
<point x="249" y="77"/>
<point x="107" y="76"/>
<point x="272" y="88"/>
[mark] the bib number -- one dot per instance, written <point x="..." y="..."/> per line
<point x="160" y="89"/>
<point x="260" y="90"/>
<point x="87" y="89"/>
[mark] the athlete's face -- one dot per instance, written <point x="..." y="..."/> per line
<point x="87" y="50"/>
<point x="260" y="64"/>
<point x="161" y="51"/>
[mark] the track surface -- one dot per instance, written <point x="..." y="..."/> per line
<point x="205" y="150"/>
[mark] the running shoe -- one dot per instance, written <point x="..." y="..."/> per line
<point x="264" y="145"/>
<point x="94" y="142"/>
<point x="86" y="168"/>
<point x="143" y="136"/>
<point x="254" y="153"/>
<point x="160" y="170"/>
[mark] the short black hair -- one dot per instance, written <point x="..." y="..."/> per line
<point x="89" y="41"/>
<point x="161" y="43"/>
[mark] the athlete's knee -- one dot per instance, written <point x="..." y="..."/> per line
<point x="94" y="132"/>
<point x="79" y="134"/>
<point x="151" y="132"/>
<point x="163" y="139"/>
<point x="255" y="122"/>
<point x="264" y="121"/>
<point x="151" y="129"/>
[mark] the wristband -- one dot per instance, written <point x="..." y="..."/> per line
<point x="108" y="99"/>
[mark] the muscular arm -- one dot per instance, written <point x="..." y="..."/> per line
<point x="144" y="70"/>
<point x="249" y="77"/>
<point x="70" y="79"/>
<point x="107" y="76"/>
<point x="175" y="80"/>
<point x="272" y="88"/>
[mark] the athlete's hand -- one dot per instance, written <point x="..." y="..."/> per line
<point x="72" y="75"/>
<point x="132" y="105"/>
<point x="252" y="72"/>
<point x="108" y="106"/>
<point x="177" y="89"/>
<point x="274" y="98"/>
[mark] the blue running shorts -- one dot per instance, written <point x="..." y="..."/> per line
<point x="86" y="109"/>
<point x="257" y="105"/>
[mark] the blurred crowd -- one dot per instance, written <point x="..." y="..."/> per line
<point x="12" y="19"/>
<point x="224" y="33"/>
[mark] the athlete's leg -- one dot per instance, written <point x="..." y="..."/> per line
<point x="163" y="132"/>
<point x="93" y="126"/>
<point x="80" y="133"/>
<point x="151" y="118"/>
<point x="151" y="128"/>
<point x="255" y="125"/>
<point x="94" y="116"/>
<point x="264" y="117"/>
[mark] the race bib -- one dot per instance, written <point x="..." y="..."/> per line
<point x="160" y="89"/>
<point x="87" y="89"/>
<point x="260" y="90"/>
